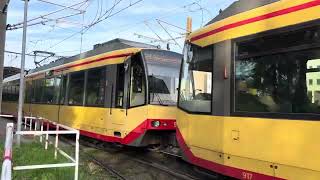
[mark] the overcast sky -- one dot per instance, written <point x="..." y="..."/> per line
<point x="49" y="36"/>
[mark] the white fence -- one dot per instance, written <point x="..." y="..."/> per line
<point x="35" y="126"/>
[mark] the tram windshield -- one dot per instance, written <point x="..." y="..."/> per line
<point x="163" y="76"/>
<point x="196" y="79"/>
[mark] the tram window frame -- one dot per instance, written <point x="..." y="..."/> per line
<point x="103" y="85"/>
<point x="290" y="49"/>
<point x="81" y="99"/>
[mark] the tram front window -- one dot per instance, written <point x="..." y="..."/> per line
<point x="196" y="80"/>
<point x="163" y="73"/>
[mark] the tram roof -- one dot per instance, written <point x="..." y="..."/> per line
<point x="113" y="45"/>
<point x="240" y="6"/>
<point x="247" y="17"/>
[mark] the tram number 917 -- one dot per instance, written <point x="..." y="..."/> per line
<point x="247" y="175"/>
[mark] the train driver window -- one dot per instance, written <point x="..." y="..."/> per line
<point x="137" y="83"/>
<point x="196" y="80"/>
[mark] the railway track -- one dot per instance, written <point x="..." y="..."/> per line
<point x="109" y="169"/>
<point x="132" y="156"/>
<point x="147" y="163"/>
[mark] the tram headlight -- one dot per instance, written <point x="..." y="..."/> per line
<point x="155" y="123"/>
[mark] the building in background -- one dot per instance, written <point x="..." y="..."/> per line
<point x="313" y="80"/>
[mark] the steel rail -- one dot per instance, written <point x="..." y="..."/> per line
<point x="174" y="173"/>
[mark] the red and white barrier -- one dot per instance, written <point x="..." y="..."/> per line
<point x="33" y="129"/>
<point x="6" y="172"/>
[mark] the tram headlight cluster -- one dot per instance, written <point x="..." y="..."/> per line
<point x="155" y="123"/>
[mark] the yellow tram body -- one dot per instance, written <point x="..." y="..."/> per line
<point x="246" y="146"/>
<point x="127" y="126"/>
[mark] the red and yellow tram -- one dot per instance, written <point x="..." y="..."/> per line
<point x="126" y="96"/>
<point x="249" y="95"/>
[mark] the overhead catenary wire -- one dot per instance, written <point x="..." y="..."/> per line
<point x="172" y="11"/>
<point x="32" y="55"/>
<point x="52" y="3"/>
<point x="63" y="20"/>
<point x="153" y="31"/>
<point x="108" y="12"/>
<point x="45" y="21"/>
<point x="184" y="29"/>
<point x="83" y="30"/>
<point x="169" y="34"/>
<point x="53" y="12"/>
<point x="97" y="22"/>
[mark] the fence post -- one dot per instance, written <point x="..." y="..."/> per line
<point x="56" y="143"/>
<point x="35" y="124"/>
<point x="25" y="123"/>
<point x="47" y="136"/>
<point x="76" y="169"/>
<point x="41" y="129"/>
<point x="30" y="124"/>
<point x="7" y="164"/>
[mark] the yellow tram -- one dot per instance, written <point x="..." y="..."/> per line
<point x="126" y="96"/>
<point x="249" y="95"/>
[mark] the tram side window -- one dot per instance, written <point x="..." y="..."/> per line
<point x="56" y="90"/>
<point x="196" y="80"/>
<point x="63" y="89"/>
<point x="38" y="90"/>
<point x="4" y="93"/>
<point x="48" y="91"/>
<point x="120" y="86"/>
<point x="96" y="87"/>
<point x="28" y="92"/>
<point x="138" y="83"/>
<point x="278" y="82"/>
<point x="76" y="88"/>
<point x="33" y="95"/>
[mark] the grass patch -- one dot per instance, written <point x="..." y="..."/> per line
<point x="33" y="153"/>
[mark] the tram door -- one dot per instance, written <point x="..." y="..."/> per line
<point x="129" y="96"/>
<point x="116" y="89"/>
<point x="136" y="93"/>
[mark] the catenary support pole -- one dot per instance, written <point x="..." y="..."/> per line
<point x="3" y="26"/>
<point x="23" y="58"/>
